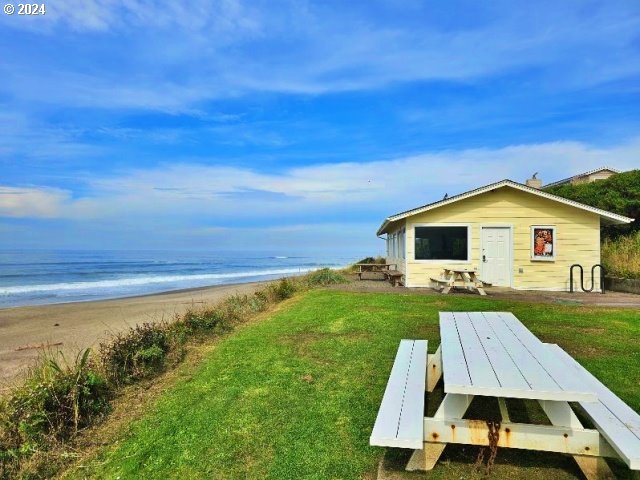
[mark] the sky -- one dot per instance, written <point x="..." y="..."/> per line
<point x="297" y="125"/>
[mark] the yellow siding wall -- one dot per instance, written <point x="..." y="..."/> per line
<point x="577" y="237"/>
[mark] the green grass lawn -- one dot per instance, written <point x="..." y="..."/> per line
<point x="295" y="395"/>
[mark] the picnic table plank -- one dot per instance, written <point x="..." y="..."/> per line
<point x="478" y="364"/>
<point x="505" y="368"/>
<point x="452" y="355"/>
<point x="399" y="420"/>
<point x="413" y="408"/>
<point x="538" y="379"/>
<point x="549" y="362"/>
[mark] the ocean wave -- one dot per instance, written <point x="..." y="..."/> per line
<point x="144" y="280"/>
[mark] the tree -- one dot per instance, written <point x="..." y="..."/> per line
<point x="619" y="194"/>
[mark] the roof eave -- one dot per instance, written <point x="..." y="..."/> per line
<point x="613" y="217"/>
<point x="381" y="230"/>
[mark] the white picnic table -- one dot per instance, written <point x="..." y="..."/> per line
<point x="374" y="268"/>
<point x="493" y="354"/>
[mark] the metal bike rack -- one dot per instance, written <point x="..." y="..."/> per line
<point x="593" y="278"/>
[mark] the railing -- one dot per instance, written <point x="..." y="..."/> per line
<point x="593" y="278"/>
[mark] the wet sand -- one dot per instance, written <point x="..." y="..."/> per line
<point x="69" y="327"/>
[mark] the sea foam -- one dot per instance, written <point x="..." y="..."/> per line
<point x="144" y="280"/>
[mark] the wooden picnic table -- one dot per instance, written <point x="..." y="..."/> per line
<point x="374" y="268"/>
<point x="493" y="354"/>
<point x="459" y="278"/>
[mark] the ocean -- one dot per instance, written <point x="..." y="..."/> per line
<point x="44" y="277"/>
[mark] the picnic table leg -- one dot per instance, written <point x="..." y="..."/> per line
<point x="434" y="369"/>
<point x="425" y="459"/>
<point x="447" y="288"/>
<point x="561" y="414"/>
<point x="504" y="413"/>
<point x="477" y="284"/>
<point x="452" y="406"/>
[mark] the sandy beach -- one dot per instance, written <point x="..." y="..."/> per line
<point x="69" y="327"/>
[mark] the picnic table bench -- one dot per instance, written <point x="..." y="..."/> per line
<point x="394" y="276"/>
<point x="493" y="354"/>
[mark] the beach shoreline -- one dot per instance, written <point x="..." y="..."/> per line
<point x="25" y="331"/>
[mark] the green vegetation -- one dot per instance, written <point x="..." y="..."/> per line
<point x="618" y="194"/>
<point x="376" y="260"/>
<point x="41" y="417"/>
<point x="621" y="256"/>
<point x="296" y="394"/>
<point x="56" y="401"/>
<point x="325" y="277"/>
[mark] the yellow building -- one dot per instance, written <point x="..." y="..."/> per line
<point x="511" y="234"/>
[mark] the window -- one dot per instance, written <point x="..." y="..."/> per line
<point x="396" y="244"/>
<point x="442" y="243"/>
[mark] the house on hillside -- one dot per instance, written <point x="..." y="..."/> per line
<point x="513" y="235"/>
<point x="586" y="177"/>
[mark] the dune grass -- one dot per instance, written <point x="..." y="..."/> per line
<point x="621" y="256"/>
<point x="296" y="395"/>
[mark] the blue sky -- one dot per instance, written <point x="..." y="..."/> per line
<point x="297" y="125"/>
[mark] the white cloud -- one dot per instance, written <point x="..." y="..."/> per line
<point x="376" y="188"/>
<point x="230" y="47"/>
<point x="32" y="202"/>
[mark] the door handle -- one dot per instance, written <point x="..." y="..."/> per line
<point x="484" y="258"/>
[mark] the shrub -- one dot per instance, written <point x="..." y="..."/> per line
<point x="258" y="302"/>
<point x="55" y="401"/>
<point x="137" y="353"/>
<point x="282" y="289"/>
<point x="372" y="260"/>
<point x="621" y="257"/>
<point x="203" y="320"/>
<point x="236" y="308"/>
<point x="369" y="260"/>
<point x="325" y="277"/>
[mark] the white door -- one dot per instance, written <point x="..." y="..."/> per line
<point x="496" y="256"/>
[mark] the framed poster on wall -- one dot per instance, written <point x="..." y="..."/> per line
<point x="543" y="242"/>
